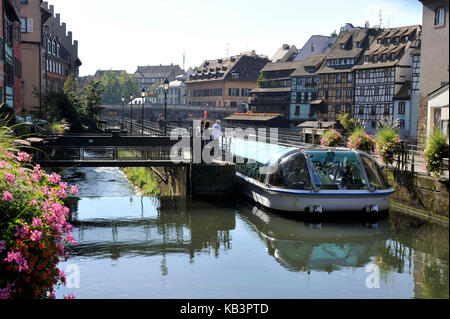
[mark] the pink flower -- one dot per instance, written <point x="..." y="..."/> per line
<point x="10" y="178"/>
<point x="36" y="235"/>
<point x="52" y="295"/>
<point x="74" y="190"/>
<point x="61" y="193"/>
<point x="24" y="157"/>
<point x="7" y="197"/>
<point x="37" y="222"/>
<point x="54" y="178"/>
<point x="4" y="164"/>
<point x="35" y="177"/>
<point x="33" y="202"/>
<point x="22" y="232"/>
<point x="69" y="296"/>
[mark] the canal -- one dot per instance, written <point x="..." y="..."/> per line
<point x="164" y="248"/>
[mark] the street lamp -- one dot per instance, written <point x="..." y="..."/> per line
<point x="131" y="111"/>
<point x="123" y="111"/>
<point x="143" y="94"/>
<point x="166" y="88"/>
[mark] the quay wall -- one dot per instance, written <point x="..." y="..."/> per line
<point x="427" y="194"/>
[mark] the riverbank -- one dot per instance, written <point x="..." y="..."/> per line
<point x="141" y="178"/>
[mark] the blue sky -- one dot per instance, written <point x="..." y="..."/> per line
<point x="123" y="34"/>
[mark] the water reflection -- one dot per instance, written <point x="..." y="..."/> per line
<point x="397" y="245"/>
<point x="149" y="226"/>
<point x="327" y="246"/>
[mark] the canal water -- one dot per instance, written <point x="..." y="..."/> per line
<point x="165" y="248"/>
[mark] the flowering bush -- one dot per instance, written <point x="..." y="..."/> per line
<point x="34" y="232"/>
<point x="360" y="140"/>
<point x="332" y="138"/>
<point x="437" y="149"/>
<point x="388" y="144"/>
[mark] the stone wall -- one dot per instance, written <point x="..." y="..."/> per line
<point x="172" y="181"/>
<point x="427" y="194"/>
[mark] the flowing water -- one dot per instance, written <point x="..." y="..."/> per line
<point x="163" y="248"/>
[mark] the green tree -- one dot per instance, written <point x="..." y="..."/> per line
<point x="115" y="86"/>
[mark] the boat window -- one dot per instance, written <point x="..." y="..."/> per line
<point x="252" y="170"/>
<point x="292" y="173"/>
<point x="374" y="173"/>
<point x="337" y="170"/>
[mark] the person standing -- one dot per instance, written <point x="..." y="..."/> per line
<point x="216" y="130"/>
<point x="161" y="122"/>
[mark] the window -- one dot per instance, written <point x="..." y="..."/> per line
<point x="375" y="58"/>
<point x="358" y="44"/>
<point x="23" y="25"/>
<point x="402" y="108"/>
<point x="342" y="46"/>
<point x="401" y="124"/>
<point x="439" y="17"/>
<point x="349" y="78"/>
<point x="338" y="94"/>
<point x="326" y="94"/>
<point x="384" y="57"/>
<point x="349" y="94"/>
<point x="24" y="1"/>
<point x="374" y="124"/>
<point x="396" y="39"/>
<point x="380" y="41"/>
<point x="367" y="58"/>
<point x="388" y="40"/>
<point x="392" y="56"/>
<point x="338" y="78"/>
<point x="387" y="111"/>
<point x="361" y="110"/>
<point x="297" y="110"/>
<point x="373" y="111"/>
<point x="312" y="47"/>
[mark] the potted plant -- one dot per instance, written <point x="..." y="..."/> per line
<point x="360" y="140"/>
<point x="332" y="138"/>
<point x="387" y="144"/>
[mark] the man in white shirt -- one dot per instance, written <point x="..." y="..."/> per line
<point x="216" y="130"/>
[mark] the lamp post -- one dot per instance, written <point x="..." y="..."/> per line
<point x="131" y="111"/>
<point x="123" y="112"/>
<point x="143" y="94"/>
<point x="166" y="88"/>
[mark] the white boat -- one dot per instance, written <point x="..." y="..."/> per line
<point x="312" y="180"/>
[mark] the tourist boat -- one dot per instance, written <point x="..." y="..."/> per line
<point x="310" y="179"/>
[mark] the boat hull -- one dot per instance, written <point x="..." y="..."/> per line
<point x="304" y="201"/>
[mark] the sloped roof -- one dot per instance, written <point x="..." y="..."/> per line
<point x="311" y="61"/>
<point x="404" y="92"/>
<point x="160" y="71"/>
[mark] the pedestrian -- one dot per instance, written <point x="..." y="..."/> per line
<point x="216" y="130"/>
<point x="161" y="122"/>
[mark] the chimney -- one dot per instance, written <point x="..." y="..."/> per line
<point x="367" y="25"/>
<point x="285" y="46"/>
<point x="63" y="27"/>
<point x="58" y="19"/>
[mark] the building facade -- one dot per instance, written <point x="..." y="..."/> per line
<point x="225" y="82"/>
<point x="385" y="75"/>
<point x="336" y="80"/>
<point x="49" y="53"/>
<point x="150" y="75"/>
<point x="305" y="89"/>
<point x="11" y="56"/>
<point x="273" y="94"/>
<point x="434" y="62"/>
<point x="176" y="95"/>
<point x="60" y="53"/>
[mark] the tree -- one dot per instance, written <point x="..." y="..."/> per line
<point x="334" y="34"/>
<point x="115" y="85"/>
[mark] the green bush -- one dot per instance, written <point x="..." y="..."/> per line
<point x="437" y="149"/>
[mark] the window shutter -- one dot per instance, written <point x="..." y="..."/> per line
<point x="30" y="26"/>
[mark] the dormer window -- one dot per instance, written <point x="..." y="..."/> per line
<point x="342" y="46"/>
<point x="384" y="57"/>
<point x="388" y="40"/>
<point x="358" y="44"/>
<point x="375" y="58"/>
<point x="332" y="62"/>
<point x="380" y="41"/>
<point x="392" y="56"/>
<point x="367" y="58"/>
<point x="396" y="39"/>
<point x="406" y="38"/>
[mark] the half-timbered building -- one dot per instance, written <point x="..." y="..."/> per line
<point x="386" y="67"/>
<point x="336" y="83"/>
<point x="305" y="89"/>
